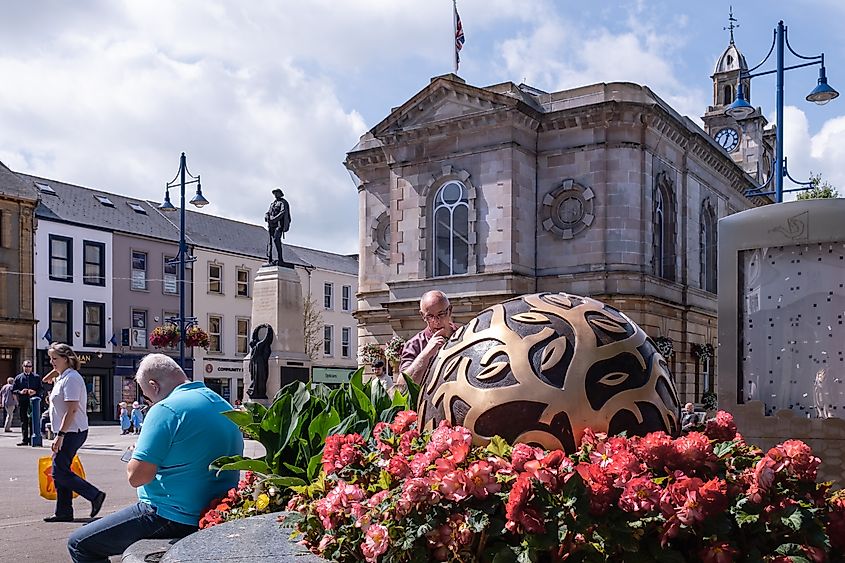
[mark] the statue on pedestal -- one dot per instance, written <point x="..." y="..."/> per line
<point x="278" y="223"/>
<point x="259" y="356"/>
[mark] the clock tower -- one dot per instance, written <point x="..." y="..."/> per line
<point x="745" y="139"/>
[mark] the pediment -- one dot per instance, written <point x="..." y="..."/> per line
<point x="443" y="100"/>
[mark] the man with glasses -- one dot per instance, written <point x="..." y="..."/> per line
<point x="419" y="352"/>
<point x="27" y="385"/>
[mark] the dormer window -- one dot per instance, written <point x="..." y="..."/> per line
<point x="45" y="188"/>
<point x="104" y="200"/>
<point x="730" y="60"/>
<point x="136" y="208"/>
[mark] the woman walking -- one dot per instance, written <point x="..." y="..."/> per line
<point x="69" y="421"/>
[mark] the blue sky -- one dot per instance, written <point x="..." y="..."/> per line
<point x="270" y="93"/>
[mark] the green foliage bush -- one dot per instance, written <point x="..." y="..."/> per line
<point x="294" y="427"/>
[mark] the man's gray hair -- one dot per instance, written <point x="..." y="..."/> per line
<point x="159" y="367"/>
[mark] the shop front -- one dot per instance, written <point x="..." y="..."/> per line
<point x="124" y="387"/>
<point x="225" y="377"/>
<point x="97" y="369"/>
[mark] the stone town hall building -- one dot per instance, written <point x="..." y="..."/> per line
<point x="604" y="190"/>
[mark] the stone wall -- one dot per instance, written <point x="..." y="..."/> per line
<point x="825" y="435"/>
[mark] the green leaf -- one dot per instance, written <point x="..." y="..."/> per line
<point x="239" y="417"/>
<point x="314" y="466"/>
<point x="413" y="392"/>
<point x="499" y="447"/>
<point x="789" y="549"/>
<point x="744" y="518"/>
<point x="724" y="449"/>
<point x="239" y="463"/>
<point x="365" y="407"/>
<point x="285" y="482"/>
<point x="357" y="379"/>
<point x="793" y="519"/>
<point x="322" y="423"/>
<point x="400" y="400"/>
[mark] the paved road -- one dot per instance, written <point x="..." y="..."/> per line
<point x="24" y="536"/>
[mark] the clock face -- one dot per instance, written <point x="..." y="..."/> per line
<point x="728" y="138"/>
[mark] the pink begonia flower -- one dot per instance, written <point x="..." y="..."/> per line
<point x="719" y="552"/>
<point x="481" y="480"/>
<point x="522" y="453"/>
<point x="454" y="486"/>
<point x="721" y="428"/>
<point x="325" y="542"/>
<point x="376" y="541"/>
<point x="402" y="421"/>
<point x="640" y="495"/>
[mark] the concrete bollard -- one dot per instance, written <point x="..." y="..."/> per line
<point x="35" y="414"/>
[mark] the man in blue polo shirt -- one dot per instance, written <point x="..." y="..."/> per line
<point x="169" y="465"/>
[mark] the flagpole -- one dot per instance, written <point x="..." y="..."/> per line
<point x="455" y="33"/>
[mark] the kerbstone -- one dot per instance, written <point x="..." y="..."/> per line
<point x="251" y="540"/>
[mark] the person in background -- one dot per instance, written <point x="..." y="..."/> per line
<point x="125" y="421"/>
<point x="380" y="374"/>
<point x="69" y="420"/>
<point x="688" y="418"/>
<point x="419" y="352"/>
<point x="137" y="417"/>
<point x="9" y="402"/>
<point x="27" y="385"/>
<point x="183" y="433"/>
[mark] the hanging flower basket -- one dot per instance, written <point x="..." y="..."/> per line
<point x="393" y="349"/>
<point x="195" y="336"/>
<point x="664" y="346"/>
<point x="702" y="351"/>
<point x="371" y="353"/>
<point x="164" y="336"/>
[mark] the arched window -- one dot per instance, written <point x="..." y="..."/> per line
<point x="664" y="228"/>
<point x="451" y="229"/>
<point x="728" y="96"/>
<point x="708" y="247"/>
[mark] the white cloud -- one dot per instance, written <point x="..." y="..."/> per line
<point x="806" y="153"/>
<point x="557" y="54"/>
<point x="115" y="110"/>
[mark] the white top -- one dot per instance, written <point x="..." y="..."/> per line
<point x="69" y="386"/>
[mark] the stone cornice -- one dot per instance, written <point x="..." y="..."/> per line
<point x="461" y="124"/>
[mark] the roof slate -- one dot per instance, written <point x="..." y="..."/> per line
<point x="13" y="185"/>
<point x="77" y="204"/>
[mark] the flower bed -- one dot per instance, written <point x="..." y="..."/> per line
<point x="251" y="497"/>
<point x="402" y="495"/>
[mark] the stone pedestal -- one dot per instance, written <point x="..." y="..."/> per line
<point x="277" y="301"/>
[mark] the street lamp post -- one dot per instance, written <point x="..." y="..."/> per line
<point x="741" y="109"/>
<point x="199" y="201"/>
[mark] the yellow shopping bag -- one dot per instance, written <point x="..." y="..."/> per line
<point x="45" y="475"/>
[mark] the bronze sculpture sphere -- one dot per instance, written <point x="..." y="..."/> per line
<point x="542" y="368"/>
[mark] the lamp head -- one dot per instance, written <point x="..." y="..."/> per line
<point x="823" y="92"/>
<point x="739" y="109"/>
<point x="199" y="200"/>
<point x="167" y="206"/>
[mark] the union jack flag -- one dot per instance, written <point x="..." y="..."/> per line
<point x="459" y="37"/>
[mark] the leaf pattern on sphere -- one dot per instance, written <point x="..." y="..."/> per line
<point x="492" y="371"/>
<point x="531" y="318"/>
<point x="608" y="325"/>
<point x="553" y="353"/>
<point x="614" y="378"/>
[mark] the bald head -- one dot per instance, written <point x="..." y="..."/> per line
<point x="158" y="375"/>
<point x="436" y="310"/>
<point x="433" y="298"/>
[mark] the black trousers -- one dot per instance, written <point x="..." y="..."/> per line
<point x="26" y="420"/>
